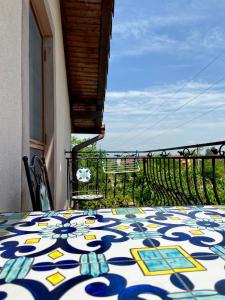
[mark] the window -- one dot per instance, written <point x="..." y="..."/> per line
<point x="36" y="89"/>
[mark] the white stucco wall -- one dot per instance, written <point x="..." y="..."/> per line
<point x="62" y="109"/>
<point x="12" y="86"/>
<point x="10" y="104"/>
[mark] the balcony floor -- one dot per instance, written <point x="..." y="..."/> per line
<point x="123" y="253"/>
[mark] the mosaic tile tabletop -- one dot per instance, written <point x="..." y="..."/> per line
<point x="124" y="253"/>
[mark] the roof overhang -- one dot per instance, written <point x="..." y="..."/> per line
<point x="87" y="27"/>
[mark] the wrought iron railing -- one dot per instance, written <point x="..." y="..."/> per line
<point x="187" y="175"/>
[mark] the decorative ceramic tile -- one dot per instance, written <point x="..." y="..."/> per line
<point x="55" y="278"/>
<point x="128" y="210"/>
<point x="124" y="253"/>
<point x="55" y="254"/>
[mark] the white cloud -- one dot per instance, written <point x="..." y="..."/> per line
<point x="130" y="115"/>
<point x="139" y="27"/>
<point x="164" y="98"/>
<point x="145" y="36"/>
<point x="214" y="38"/>
<point x="162" y="43"/>
<point x="172" y="35"/>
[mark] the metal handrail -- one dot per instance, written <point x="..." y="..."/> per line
<point x="159" y="149"/>
<point x="185" y="177"/>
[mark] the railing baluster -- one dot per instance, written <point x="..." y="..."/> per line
<point x="156" y="177"/>
<point x="172" y="189"/>
<point x="204" y="182"/>
<point x="214" y="181"/>
<point x="124" y="182"/>
<point x="114" y="188"/>
<point x="175" y="181"/>
<point x="185" y="200"/>
<point x="106" y="185"/>
<point x="87" y="165"/>
<point x="147" y="171"/>
<point x="168" y="190"/>
<point x="97" y="175"/>
<point x="191" y="198"/>
<point x="155" y="188"/>
<point x="196" y="180"/>
<point x="164" y="183"/>
<point x="142" y="184"/>
<point x="160" y="180"/>
<point x="133" y="187"/>
<point x="150" y="171"/>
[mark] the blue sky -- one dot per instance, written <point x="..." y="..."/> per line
<point x="157" y="47"/>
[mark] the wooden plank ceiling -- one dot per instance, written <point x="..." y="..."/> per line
<point x="87" y="26"/>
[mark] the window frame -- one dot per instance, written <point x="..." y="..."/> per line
<point x="36" y="144"/>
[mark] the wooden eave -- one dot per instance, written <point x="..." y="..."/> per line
<point x="87" y="27"/>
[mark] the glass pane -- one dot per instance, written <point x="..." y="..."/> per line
<point x="35" y="80"/>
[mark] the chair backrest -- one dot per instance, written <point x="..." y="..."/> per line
<point x="38" y="183"/>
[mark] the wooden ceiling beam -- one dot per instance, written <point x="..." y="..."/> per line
<point x="87" y="114"/>
<point x="81" y="103"/>
<point x="82" y="55"/>
<point x="89" y="13"/>
<point x="84" y="82"/>
<point x="86" y="2"/>
<point x="84" y="85"/>
<point x="84" y="92"/>
<point x="84" y="76"/>
<point x="75" y="38"/>
<point x="83" y="61"/>
<point x="85" y="26"/>
<point x="84" y="105"/>
<point x="86" y="33"/>
<point x="83" y="44"/>
<point x="89" y="130"/>
<point x="83" y="64"/>
<point x="82" y="20"/>
<point x="79" y="30"/>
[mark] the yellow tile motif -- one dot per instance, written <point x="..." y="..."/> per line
<point x="32" y="241"/>
<point x="152" y="226"/>
<point x="215" y="217"/>
<point x="196" y="232"/>
<point x="89" y="221"/>
<point x="55" y="278"/>
<point x="3" y="219"/>
<point x="90" y="237"/>
<point x="182" y="211"/>
<point x="55" y="254"/>
<point x="122" y="227"/>
<point x="42" y="224"/>
<point x="70" y="210"/>
<point x="3" y="233"/>
<point x="148" y="272"/>
<point x="67" y="216"/>
<point x="174" y="218"/>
